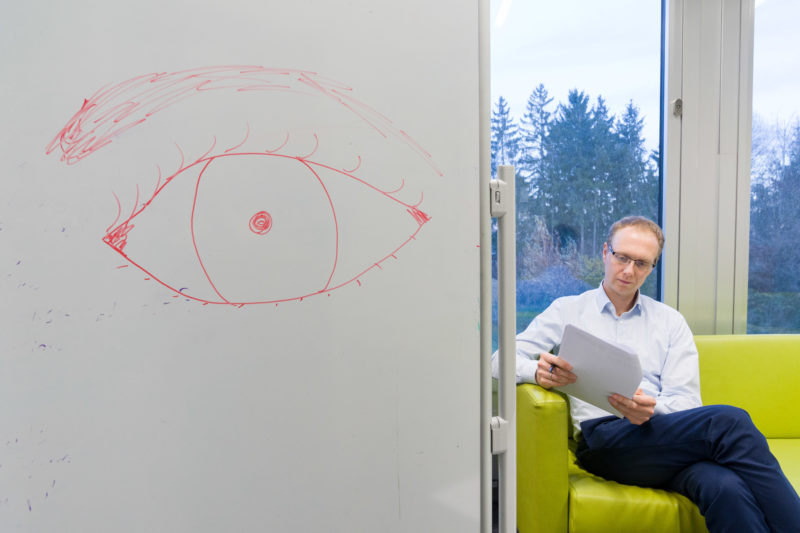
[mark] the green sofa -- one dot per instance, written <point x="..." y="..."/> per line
<point x="759" y="373"/>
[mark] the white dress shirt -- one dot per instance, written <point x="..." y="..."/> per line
<point x="656" y="332"/>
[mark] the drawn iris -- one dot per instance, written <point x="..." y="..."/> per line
<point x="261" y="223"/>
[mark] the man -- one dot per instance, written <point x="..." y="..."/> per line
<point x="713" y="455"/>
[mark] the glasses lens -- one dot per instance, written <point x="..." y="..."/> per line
<point x="624" y="260"/>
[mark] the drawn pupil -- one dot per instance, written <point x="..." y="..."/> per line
<point x="261" y="223"/>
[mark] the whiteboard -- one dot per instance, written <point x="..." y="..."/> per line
<point x="239" y="266"/>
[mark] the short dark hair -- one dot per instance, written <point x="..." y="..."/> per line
<point x="641" y="222"/>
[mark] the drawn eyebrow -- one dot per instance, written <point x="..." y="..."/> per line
<point x="115" y="109"/>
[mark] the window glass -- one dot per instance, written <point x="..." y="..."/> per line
<point x="774" y="287"/>
<point x="575" y="108"/>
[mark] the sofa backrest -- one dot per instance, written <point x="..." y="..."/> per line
<point x="759" y="373"/>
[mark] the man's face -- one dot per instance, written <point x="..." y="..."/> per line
<point x="622" y="281"/>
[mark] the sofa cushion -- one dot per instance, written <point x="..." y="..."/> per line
<point x="596" y="504"/>
<point x="787" y="451"/>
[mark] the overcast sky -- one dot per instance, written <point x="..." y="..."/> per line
<point x="776" y="60"/>
<point x="612" y="48"/>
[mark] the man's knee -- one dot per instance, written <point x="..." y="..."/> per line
<point x="729" y="411"/>
<point x="733" y="434"/>
<point x="729" y="416"/>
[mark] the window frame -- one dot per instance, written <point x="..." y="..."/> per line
<point x="706" y="218"/>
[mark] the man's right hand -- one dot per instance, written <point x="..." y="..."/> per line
<point x="561" y="371"/>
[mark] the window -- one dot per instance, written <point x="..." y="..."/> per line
<point x="576" y="104"/>
<point x="774" y="286"/>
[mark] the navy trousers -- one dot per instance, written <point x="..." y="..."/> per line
<point x="713" y="455"/>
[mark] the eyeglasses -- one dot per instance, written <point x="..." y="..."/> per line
<point x="640" y="264"/>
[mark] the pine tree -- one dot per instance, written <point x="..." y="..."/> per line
<point x="565" y="189"/>
<point x="603" y="193"/>
<point x="505" y="136"/>
<point x="533" y="132"/>
<point x="637" y="178"/>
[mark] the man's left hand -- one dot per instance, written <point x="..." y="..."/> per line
<point x="638" y="409"/>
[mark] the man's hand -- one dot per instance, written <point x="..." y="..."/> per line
<point x="638" y="409"/>
<point x="561" y="374"/>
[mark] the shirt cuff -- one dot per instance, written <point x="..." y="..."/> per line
<point x="527" y="371"/>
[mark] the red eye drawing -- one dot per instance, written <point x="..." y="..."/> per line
<point x="266" y="219"/>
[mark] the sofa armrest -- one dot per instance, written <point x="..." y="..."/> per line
<point x="542" y="478"/>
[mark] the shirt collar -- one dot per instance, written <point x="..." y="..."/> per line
<point x="603" y="303"/>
